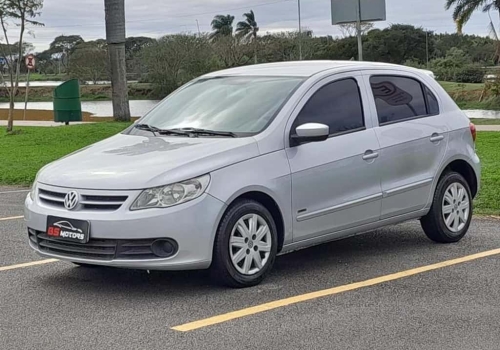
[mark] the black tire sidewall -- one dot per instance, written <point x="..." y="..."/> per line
<point x="222" y="257"/>
<point x="445" y="182"/>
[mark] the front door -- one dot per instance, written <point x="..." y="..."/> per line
<point x="335" y="183"/>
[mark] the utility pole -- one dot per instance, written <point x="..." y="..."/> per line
<point x="300" y="32"/>
<point x="198" y="25"/>
<point x="359" y="33"/>
<point x="115" y="37"/>
<point x="427" y="47"/>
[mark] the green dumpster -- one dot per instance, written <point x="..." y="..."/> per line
<point x="67" y="104"/>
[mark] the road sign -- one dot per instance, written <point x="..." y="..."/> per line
<point x="358" y="11"/>
<point x="349" y="11"/>
<point x="30" y="62"/>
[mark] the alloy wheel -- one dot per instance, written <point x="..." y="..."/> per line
<point x="456" y="207"/>
<point x="250" y="244"/>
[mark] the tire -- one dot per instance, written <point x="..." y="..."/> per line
<point x="434" y="223"/>
<point x="231" y="244"/>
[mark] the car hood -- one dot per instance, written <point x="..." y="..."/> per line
<point x="127" y="162"/>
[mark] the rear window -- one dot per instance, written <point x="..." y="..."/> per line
<point x="401" y="98"/>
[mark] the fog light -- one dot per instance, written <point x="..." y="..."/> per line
<point x="164" y="248"/>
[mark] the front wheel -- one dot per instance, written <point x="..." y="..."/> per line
<point x="451" y="212"/>
<point x="245" y="246"/>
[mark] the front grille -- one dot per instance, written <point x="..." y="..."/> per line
<point x="86" y="201"/>
<point x="98" y="249"/>
<point x="55" y="199"/>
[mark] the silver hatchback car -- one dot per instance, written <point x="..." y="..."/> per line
<point x="241" y="165"/>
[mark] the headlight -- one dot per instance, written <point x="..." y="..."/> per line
<point x="170" y="195"/>
<point x="32" y="192"/>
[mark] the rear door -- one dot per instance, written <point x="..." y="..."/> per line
<point x="413" y="138"/>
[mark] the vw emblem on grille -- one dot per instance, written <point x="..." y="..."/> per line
<point x="71" y="200"/>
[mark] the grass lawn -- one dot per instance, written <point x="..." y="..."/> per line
<point x="23" y="154"/>
<point x="488" y="148"/>
<point x="467" y="96"/>
<point x="483" y="121"/>
<point x="455" y="87"/>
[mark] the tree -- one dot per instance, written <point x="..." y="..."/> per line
<point x="222" y="26"/>
<point x="21" y="13"/>
<point x="397" y="44"/>
<point x="89" y="62"/>
<point x="350" y="29"/>
<point x="176" y="59"/>
<point x="465" y="8"/>
<point x="63" y="46"/>
<point x="65" y="43"/>
<point x="284" y="46"/>
<point x="230" y="52"/>
<point x="134" y="45"/>
<point x="45" y="64"/>
<point x="248" y="29"/>
<point x="115" y="36"/>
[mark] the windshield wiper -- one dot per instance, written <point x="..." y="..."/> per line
<point x="196" y="131"/>
<point x="156" y="130"/>
<point x="146" y="127"/>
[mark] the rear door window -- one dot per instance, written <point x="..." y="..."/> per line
<point x="400" y="98"/>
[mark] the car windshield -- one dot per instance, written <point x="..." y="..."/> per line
<point x="240" y="105"/>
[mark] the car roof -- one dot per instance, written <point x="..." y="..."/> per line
<point x="302" y="68"/>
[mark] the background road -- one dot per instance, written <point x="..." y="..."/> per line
<point x="60" y="306"/>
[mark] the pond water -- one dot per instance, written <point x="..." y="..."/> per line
<point x="477" y="113"/>
<point x="57" y="83"/>
<point x="140" y="107"/>
<point x="98" y="108"/>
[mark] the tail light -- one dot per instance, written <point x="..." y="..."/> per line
<point x="473" y="131"/>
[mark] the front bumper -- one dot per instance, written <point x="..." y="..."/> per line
<point x="192" y="225"/>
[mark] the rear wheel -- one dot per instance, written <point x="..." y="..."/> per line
<point x="245" y="246"/>
<point x="451" y="213"/>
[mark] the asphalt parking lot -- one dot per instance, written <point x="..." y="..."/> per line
<point x="453" y="304"/>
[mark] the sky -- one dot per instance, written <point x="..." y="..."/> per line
<point x="159" y="17"/>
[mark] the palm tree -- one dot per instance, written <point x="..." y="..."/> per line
<point x="248" y="29"/>
<point x="465" y="8"/>
<point x="222" y="26"/>
<point x="115" y="35"/>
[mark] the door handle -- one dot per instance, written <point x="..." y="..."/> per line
<point x="369" y="155"/>
<point x="437" y="138"/>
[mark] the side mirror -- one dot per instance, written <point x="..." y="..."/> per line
<point x="310" y="132"/>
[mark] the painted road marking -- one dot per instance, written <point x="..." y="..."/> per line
<point x="328" y="292"/>
<point x="12" y="218"/>
<point x="21" y="266"/>
<point x="17" y="191"/>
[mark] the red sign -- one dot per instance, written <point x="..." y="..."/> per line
<point x="30" y="62"/>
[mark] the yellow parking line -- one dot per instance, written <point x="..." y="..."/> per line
<point x="327" y="292"/>
<point x="12" y="218"/>
<point x="21" y="266"/>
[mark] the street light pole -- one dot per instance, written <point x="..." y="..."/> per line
<point x="427" y="47"/>
<point x="300" y="32"/>
<point x="359" y="32"/>
<point x="198" y="25"/>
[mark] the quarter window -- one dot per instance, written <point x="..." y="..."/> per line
<point x="432" y="102"/>
<point x="401" y="98"/>
<point x="337" y="105"/>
